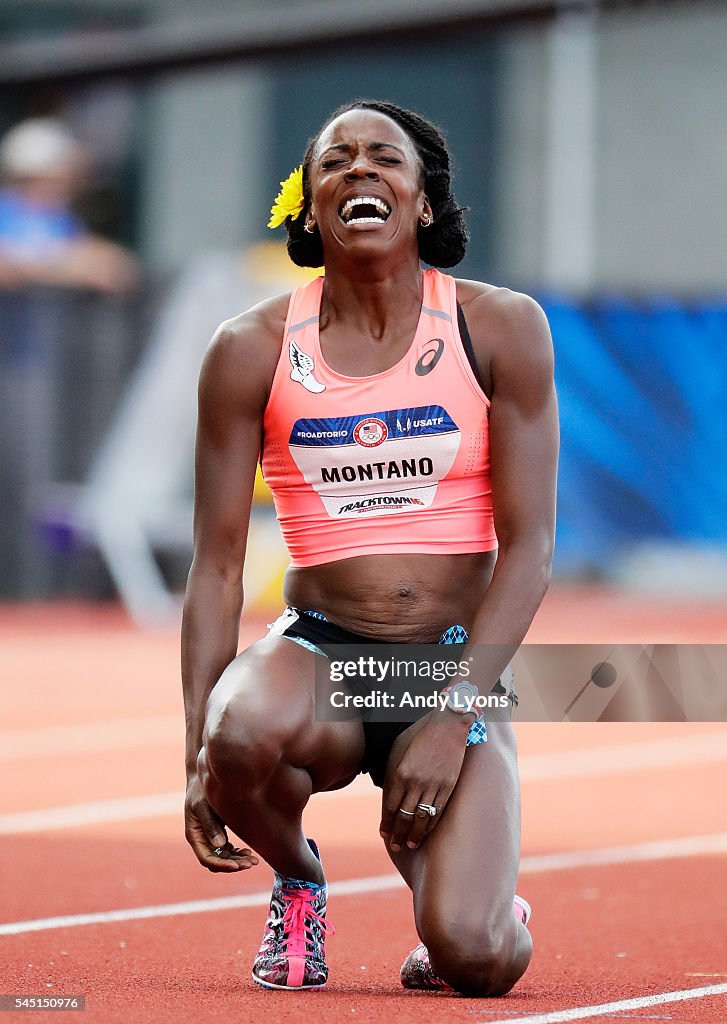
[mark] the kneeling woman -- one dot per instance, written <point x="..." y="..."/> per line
<point x="406" y="424"/>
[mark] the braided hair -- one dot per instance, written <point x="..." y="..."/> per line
<point x="441" y="245"/>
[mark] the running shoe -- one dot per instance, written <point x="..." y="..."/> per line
<point x="416" y="971"/>
<point x="292" y="952"/>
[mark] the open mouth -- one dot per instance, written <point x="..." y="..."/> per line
<point x="364" y="210"/>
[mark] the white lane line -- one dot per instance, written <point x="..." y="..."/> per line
<point x="662" y="850"/>
<point x="658" y="849"/>
<point x="120" y="734"/>
<point x="596" y="761"/>
<point x="91" y="737"/>
<point x="616" y="759"/>
<point x="353" y="886"/>
<point x="98" y="812"/>
<point x="128" y="808"/>
<point x="582" y="1012"/>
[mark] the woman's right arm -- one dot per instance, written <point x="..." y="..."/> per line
<point x="233" y="389"/>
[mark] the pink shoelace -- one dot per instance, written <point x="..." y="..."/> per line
<point x="297" y="920"/>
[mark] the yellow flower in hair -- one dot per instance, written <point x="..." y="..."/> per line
<point x="289" y="201"/>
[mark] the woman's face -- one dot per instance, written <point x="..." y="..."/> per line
<point x="366" y="186"/>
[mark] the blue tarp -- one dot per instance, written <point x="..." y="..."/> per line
<point x="642" y="389"/>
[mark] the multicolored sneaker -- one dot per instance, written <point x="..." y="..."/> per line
<point x="416" y="971"/>
<point x="292" y="952"/>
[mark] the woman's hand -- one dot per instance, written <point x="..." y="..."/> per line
<point x="206" y="834"/>
<point x="426" y="774"/>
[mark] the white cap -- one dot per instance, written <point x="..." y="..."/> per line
<point x="39" y="146"/>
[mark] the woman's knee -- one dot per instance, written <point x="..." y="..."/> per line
<point x="475" y="958"/>
<point x="247" y="729"/>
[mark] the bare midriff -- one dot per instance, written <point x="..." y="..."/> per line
<point x="406" y="598"/>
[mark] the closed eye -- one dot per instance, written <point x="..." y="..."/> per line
<point x="332" y="162"/>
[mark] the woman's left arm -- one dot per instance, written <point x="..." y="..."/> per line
<point x="514" y="351"/>
<point x="523" y="427"/>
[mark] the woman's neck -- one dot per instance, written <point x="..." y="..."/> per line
<point x="371" y="302"/>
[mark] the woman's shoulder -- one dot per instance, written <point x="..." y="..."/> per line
<point x="513" y="318"/>
<point x="256" y="334"/>
<point x="264" y="321"/>
<point x="509" y="331"/>
<point x="492" y="300"/>
<point x="244" y="350"/>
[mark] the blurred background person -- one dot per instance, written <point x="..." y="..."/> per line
<point x="42" y="240"/>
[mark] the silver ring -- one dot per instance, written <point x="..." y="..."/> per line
<point x="409" y="814"/>
<point x="429" y="809"/>
<point x="218" y="851"/>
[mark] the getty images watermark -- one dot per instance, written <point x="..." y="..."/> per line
<point x="367" y="674"/>
<point x="538" y="683"/>
<point x="403" y="682"/>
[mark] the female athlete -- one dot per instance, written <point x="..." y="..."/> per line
<point x="406" y="424"/>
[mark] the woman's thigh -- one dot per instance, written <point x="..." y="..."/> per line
<point x="267" y="695"/>
<point x="466" y="867"/>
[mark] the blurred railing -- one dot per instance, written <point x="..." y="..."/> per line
<point x="97" y="419"/>
<point x="65" y="358"/>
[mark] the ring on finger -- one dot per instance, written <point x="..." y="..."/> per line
<point x="429" y="809"/>
<point x="409" y="814"/>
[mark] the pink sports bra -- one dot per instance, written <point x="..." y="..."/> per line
<point x="395" y="462"/>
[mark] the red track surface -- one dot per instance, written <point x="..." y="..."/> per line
<point x="602" y="933"/>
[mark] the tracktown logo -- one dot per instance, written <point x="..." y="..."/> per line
<point x="422" y="368"/>
<point x="386" y="500"/>
<point x="378" y="471"/>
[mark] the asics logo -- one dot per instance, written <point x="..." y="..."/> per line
<point x="429" y="359"/>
